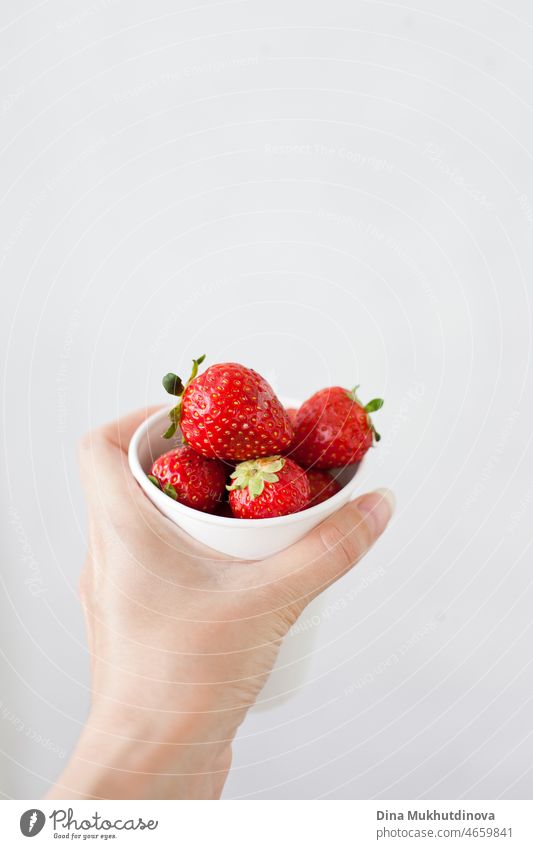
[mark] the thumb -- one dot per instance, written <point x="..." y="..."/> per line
<point x="333" y="547"/>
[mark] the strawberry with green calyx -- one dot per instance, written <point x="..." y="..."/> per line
<point x="268" y="487"/>
<point x="174" y="386"/>
<point x="253" y="474"/>
<point x="189" y="478"/>
<point x="322" y="486"/>
<point x="168" y="489"/>
<point x="333" y="429"/>
<point x="230" y="412"/>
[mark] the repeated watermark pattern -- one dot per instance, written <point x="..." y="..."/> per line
<point x="167" y="78"/>
<point x="25" y="219"/>
<point x="527" y="208"/>
<point x="493" y="460"/>
<point x="338" y="605"/>
<point x="331" y="151"/>
<point x="404" y="414"/>
<point x="524" y="506"/>
<point x="395" y="657"/>
<point x="23" y="728"/>
<point x="10" y="99"/>
<point x="172" y="320"/>
<point x="435" y="153"/>
<point x="63" y="370"/>
<point x="89" y="11"/>
<point x="33" y="579"/>
<point x="370" y="230"/>
<point x="50" y="185"/>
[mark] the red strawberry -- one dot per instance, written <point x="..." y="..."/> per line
<point x="334" y="429"/>
<point x="322" y="487"/>
<point x="189" y="478"/>
<point x="267" y="487"/>
<point x="292" y="412"/>
<point x="229" y="412"/>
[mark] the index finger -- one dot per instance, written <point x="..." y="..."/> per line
<point x="119" y="432"/>
<point x="103" y="457"/>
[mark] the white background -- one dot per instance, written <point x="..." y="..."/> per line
<point x="332" y="193"/>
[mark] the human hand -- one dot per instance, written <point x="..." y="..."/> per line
<point x="182" y="638"/>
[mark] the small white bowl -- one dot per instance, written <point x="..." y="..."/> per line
<point x="246" y="539"/>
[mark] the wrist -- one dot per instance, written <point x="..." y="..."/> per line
<point x="135" y="757"/>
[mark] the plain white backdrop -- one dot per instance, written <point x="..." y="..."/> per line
<point x="332" y="193"/>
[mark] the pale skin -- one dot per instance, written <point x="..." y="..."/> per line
<point x="182" y="638"/>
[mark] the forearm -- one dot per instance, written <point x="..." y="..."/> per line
<point x="133" y="762"/>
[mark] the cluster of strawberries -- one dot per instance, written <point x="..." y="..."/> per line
<point x="245" y="456"/>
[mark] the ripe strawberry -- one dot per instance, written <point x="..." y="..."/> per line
<point x="334" y="429"/>
<point x="292" y="412"/>
<point x="267" y="487"/>
<point x="322" y="487"/>
<point x="229" y="412"/>
<point x="189" y="478"/>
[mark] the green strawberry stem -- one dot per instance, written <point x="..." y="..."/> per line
<point x="174" y="386"/>
<point x="375" y="404"/>
<point x="371" y="407"/>
<point x="253" y="474"/>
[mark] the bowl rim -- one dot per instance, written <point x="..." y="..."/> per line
<point x="340" y="498"/>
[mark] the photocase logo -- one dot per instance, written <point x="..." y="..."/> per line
<point x="32" y="822"/>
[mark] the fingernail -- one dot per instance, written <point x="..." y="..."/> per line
<point x="377" y="508"/>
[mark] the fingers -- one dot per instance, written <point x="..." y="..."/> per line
<point x="113" y="492"/>
<point x="333" y="547"/>
<point x="103" y="459"/>
<point x="119" y="433"/>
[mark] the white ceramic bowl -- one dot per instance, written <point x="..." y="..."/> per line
<point x="246" y="539"/>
